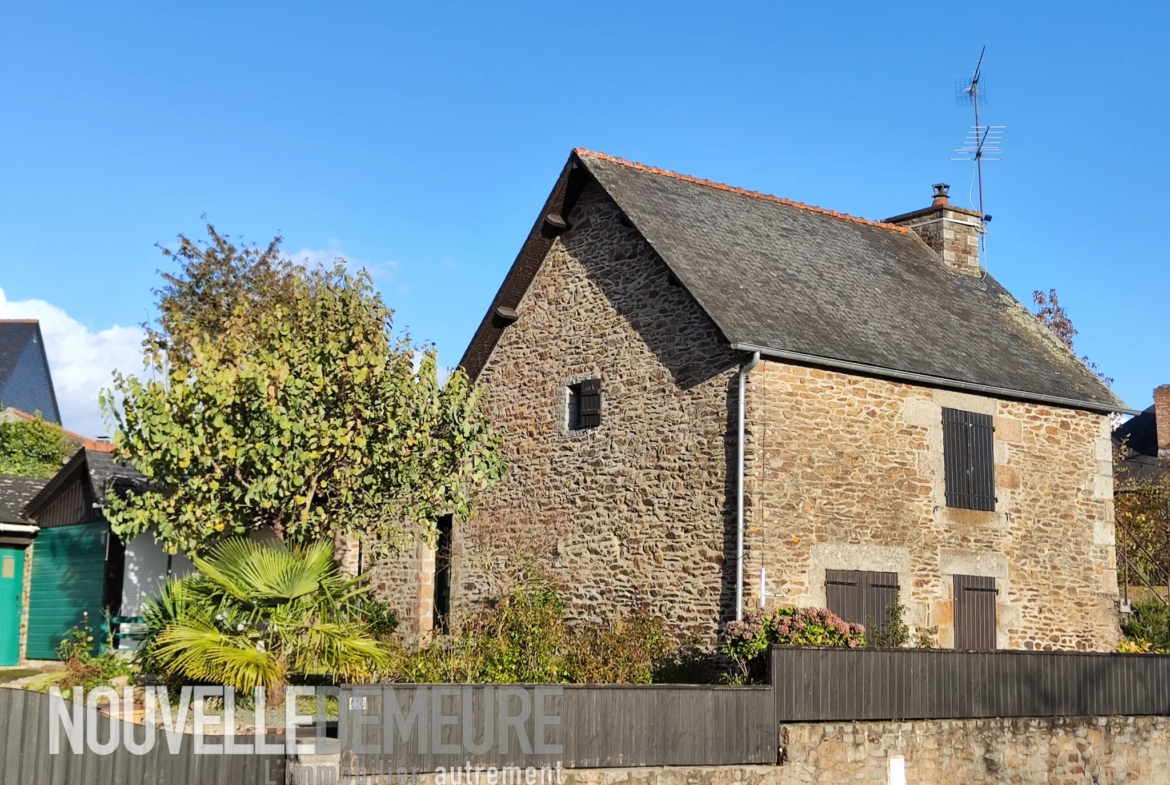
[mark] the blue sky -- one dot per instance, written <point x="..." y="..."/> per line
<point x="422" y="139"/>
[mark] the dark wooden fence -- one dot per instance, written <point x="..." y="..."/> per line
<point x="25" y="757"/>
<point x="815" y="685"/>
<point x="590" y="727"/>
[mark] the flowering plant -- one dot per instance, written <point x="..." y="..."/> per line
<point x="747" y="641"/>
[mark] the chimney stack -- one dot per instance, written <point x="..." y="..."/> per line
<point x="951" y="232"/>
<point x="1162" y="417"/>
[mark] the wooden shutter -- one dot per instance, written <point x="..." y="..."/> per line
<point x="590" y="403"/>
<point x="969" y="457"/>
<point x="861" y="597"/>
<point x="975" y="613"/>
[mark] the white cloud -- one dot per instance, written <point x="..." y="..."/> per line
<point x="81" y="360"/>
<point x="327" y="257"/>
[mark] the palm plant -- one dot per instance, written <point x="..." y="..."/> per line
<point x="260" y="614"/>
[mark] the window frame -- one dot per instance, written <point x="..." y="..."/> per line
<point x="580" y="404"/>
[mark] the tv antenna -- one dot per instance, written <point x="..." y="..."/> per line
<point x="983" y="141"/>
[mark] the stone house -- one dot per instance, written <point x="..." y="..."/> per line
<point x="715" y="400"/>
<point x="1144" y="442"/>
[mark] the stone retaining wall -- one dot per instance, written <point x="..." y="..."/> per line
<point x="1026" y="751"/>
<point x="1051" y="751"/>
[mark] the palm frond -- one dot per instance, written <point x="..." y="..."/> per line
<point x="257" y="613"/>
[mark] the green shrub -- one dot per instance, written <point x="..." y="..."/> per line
<point x="381" y="621"/>
<point x="1149" y="622"/>
<point x="83" y="666"/>
<point x="628" y="651"/>
<point x="525" y="638"/>
<point x="32" y="448"/>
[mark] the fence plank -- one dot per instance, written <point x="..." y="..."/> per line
<point x="876" y="684"/>
<point x="600" y="726"/>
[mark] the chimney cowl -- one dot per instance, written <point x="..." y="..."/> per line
<point x="941" y="194"/>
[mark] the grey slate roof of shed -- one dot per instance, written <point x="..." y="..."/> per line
<point x="15" y="493"/>
<point x="780" y="276"/>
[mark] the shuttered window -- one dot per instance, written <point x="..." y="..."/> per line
<point x="975" y="613"/>
<point x="861" y="597"/>
<point x="584" y="405"/>
<point x="969" y="455"/>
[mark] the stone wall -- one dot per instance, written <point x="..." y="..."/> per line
<point x="404" y="580"/>
<point x="1059" y="751"/>
<point x="637" y="509"/>
<point x="1063" y="751"/>
<point x="26" y="593"/>
<point x="846" y="472"/>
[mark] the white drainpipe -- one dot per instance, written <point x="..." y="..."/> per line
<point x="743" y="372"/>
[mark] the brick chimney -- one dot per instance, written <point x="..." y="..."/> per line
<point x="952" y="232"/>
<point x="1162" y="417"/>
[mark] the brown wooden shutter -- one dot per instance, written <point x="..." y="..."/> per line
<point x="843" y="593"/>
<point x="861" y="597"/>
<point x="975" y="613"/>
<point x="969" y="458"/>
<point x="590" y="403"/>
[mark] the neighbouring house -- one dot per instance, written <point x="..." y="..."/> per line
<point x="25" y="383"/>
<point x="80" y="569"/>
<point x="16" y="534"/>
<point x="908" y="429"/>
<point x="1144" y="441"/>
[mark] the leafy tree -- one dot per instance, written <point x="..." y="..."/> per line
<point x="1142" y="512"/>
<point x="260" y="614"/>
<point x="219" y="288"/>
<point x="307" y="415"/>
<point x="32" y="448"/>
<point x="1052" y="314"/>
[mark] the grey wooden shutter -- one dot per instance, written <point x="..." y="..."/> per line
<point x="969" y="458"/>
<point x="975" y="612"/>
<point x="590" y="403"/>
<point x="861" y="597"/>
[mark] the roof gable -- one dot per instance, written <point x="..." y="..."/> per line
<point x="25" y="381"/>
<point x="815" y="285"/>
<point x="100" y="471"/>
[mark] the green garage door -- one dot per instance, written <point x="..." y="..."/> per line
<point x="68" y="580"/>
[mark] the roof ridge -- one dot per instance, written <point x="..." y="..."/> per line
<point x="686" y="178"/>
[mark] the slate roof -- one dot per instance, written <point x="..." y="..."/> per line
<point x="20" y="384"/>
<point x="1139" y="435"/>
<point x="812" y="284"/>
<point x="106" y="471"/>
<point x="14" y="336"/>
<point x="15" y="493"/>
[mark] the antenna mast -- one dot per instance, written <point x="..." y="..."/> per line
<point x="983" y="141"/>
